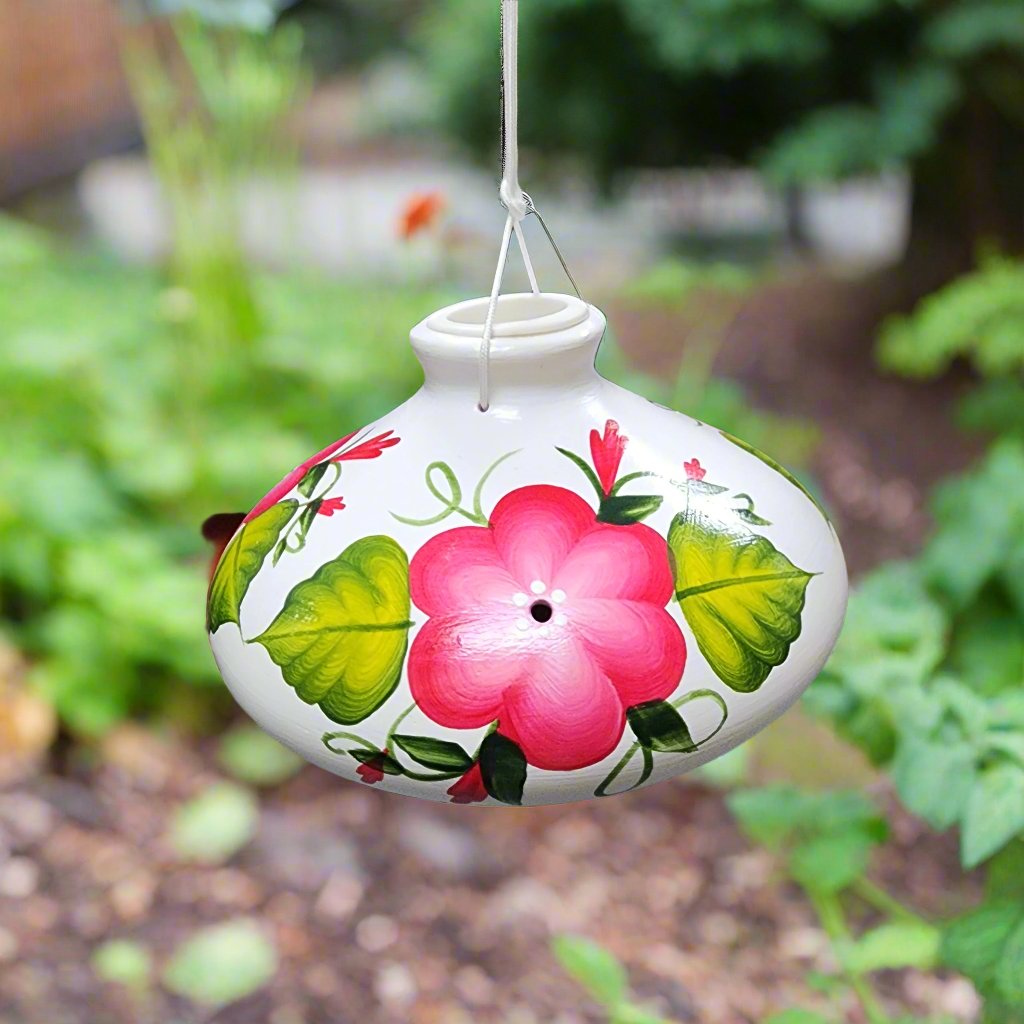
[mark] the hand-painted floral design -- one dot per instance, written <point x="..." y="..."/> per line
<point x="371" y="449"/>
<point x="470" y="788"/>
<point x="694" y="470"/>
<point x="329" y="506"/>
<point x="372" y="772"/>
<point x="547" y="621"/>
<point x="607" y="450"/>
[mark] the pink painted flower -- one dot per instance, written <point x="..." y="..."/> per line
<point x="329" y="506"/>
<point x="607" y="452"/>
<point x="470" y="788"/>
<point x="372" y="772"/>
<point x="371" y="449"/>
<point x="546" y="621"/>
<point x="694" y="470"/>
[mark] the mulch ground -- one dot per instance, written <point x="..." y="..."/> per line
<point x="387" y="910"/>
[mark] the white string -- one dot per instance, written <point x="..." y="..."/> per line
<point x="513" y="198"/>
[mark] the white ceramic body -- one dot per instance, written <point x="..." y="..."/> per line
<point x="545" y="395"/>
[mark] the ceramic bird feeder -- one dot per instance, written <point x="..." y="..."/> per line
<point x="570" y="595"/>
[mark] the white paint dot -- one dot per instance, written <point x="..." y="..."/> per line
<point x="522" y="625"/>
<point x="558" y="596"/>
<point x="544" y="631"/>
<point x="560" y="620"/>
<point x="520" y="600"/>
<point x="538" y="587"/>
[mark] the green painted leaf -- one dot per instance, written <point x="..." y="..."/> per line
<point x="659" y="726"/>
<point x="241" y="560"/>
<point x="584" y="468"/>
<point x="772" y="464"/>
<point x="741" y="596"/>
<point x="503" y="768"/>
<point x="307" y="485"/>
<point x="895" y="945"/>
<point x="994" y="815"/>
<point x="440" y="755"/>
<point x="341" y="638"/>
<point x="222" y="964"/>
<point x="594" y="968"/>
<point x="626" y="509"/>
<point x="377" y="759"/>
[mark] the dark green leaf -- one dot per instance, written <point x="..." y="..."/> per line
<point x="623" y="510"/>
<point x="307" y="485"/>
<point x="377" y="759"/>
<point x="659" y="726"/>
<point x="441" y="755"/>
<point x="585" y="469"/>
<point x="752" y="517"/>
<point x="503" y="768"/>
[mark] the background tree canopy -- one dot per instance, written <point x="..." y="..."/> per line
<point x="809" y="90"/>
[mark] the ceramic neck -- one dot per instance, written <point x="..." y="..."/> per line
<point x="541" y="342"/>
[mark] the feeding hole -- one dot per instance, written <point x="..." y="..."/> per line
<point x="541" y="611"/>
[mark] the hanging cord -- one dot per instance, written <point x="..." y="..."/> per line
<point x="518" y="204"/>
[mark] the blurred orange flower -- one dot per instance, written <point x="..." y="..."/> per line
<point x="420" y="212"/>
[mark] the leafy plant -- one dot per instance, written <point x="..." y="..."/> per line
<point x="978" y="318"/>
<point x="826" y="840"/>
<point x="603" y="978"/>
<point x="926" y="679"/>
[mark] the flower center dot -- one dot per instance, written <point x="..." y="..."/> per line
<point x="541" y="611"/>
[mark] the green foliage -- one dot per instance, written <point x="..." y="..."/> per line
<point x="603" y="977"/>
<point x="826" y="837"/>
<point x="927" y="675"/>
<point x="927" y="680"/>
<point x="129" y="436"/>
<point x="979" y="318"/>
<point x="222" y="964"/>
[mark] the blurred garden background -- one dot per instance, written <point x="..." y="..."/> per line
<point x="219" y="220"/>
